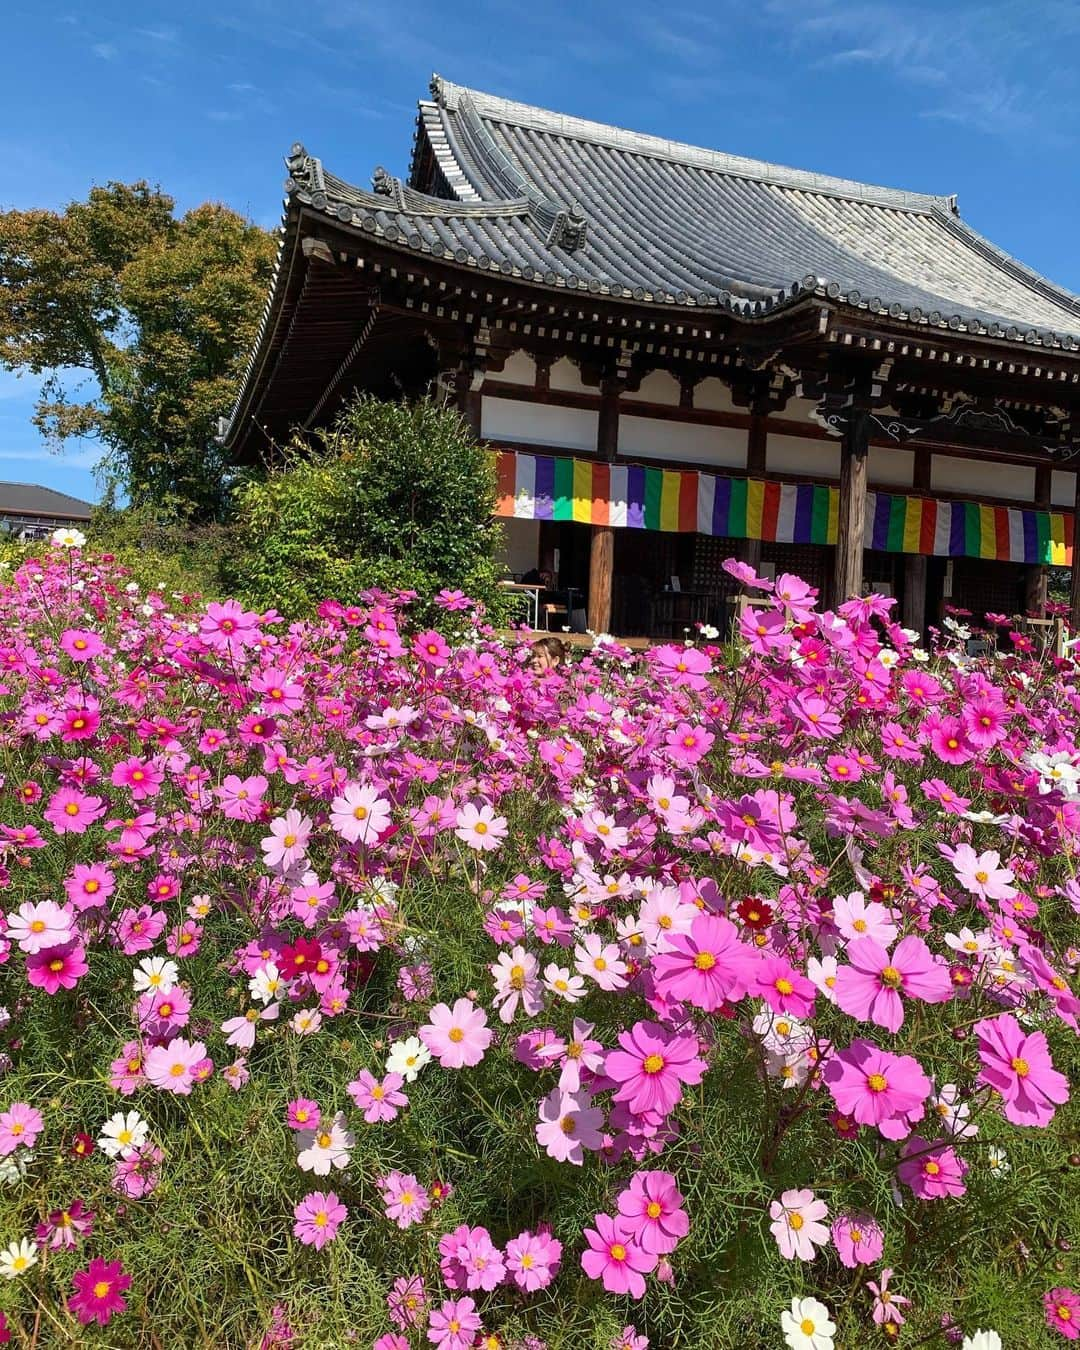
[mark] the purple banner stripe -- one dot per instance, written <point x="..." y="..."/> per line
<point x="545" y="488"/>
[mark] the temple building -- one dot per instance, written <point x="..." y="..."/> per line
<point x="679" y="355"/>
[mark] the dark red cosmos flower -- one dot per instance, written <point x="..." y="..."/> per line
<point x="884" y="892"/>
<point x="298" y="957"/>
<point x="755" y="914"/>
<point x="82" y="1145"/>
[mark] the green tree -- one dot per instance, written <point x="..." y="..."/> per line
<point x="394" y="495"/>
<point x="140" y="321"/>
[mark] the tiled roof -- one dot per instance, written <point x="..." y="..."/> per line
<point x="568" y="203"/>
<point x="31" y="499"/>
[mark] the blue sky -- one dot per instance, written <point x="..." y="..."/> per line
<point x="940" y="96"/>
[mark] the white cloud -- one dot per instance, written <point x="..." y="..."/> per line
<point x="106" y="50"/>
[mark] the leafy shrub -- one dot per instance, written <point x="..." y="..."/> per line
<point x="245" y="861"/>
<point x="395" y="496"/>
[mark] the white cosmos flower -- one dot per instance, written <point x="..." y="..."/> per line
<point x="17" y="1258"/>
<point x="122" y="1134"/>
<point x="266" y="984"/>
<point x="407" y="1058"/>
<point x="982" y="1340"/>
<point x="13" y="1167"/>
<point x="157" y="973"/>
<point x="65" y="538"/>
<point x="307" y="1022"/>
<point x="326" y="1147"/>
<point x="998" y="1161"/>
<point x="808" y="1325"/>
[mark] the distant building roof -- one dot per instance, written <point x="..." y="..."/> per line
<point x="30" y="499"/>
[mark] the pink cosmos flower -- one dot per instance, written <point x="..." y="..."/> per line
<point x="36" y="926"/>
<point x="480" y="828"/>
<point x="653" y="1210"/>
<point x="1017" y="1065"/>
<point x="171" y="1068"/>
<point x="783" y="988"/>
<point x="242" y="798"/>
<point x="56" y="968"/>
<point x="99" y="1291"/>
<point x="318" y="1217"/>
<point x="71" y="811"/>
<point x="303" y="1114"/>
<point x="982" y="873"/>
<point x="139" y="1174"/>
<point x="379" y="1100"/>
<point x="454" y="1325"/>
<point x="886" y="1303"/>
<point x="601" y="962"/>
<point x="870" y="987"/>
<point x="1062" y="1309"/>
<point x="287" y="842"/>
<point x="949" y="741"/>
<point x="614" y="1257"/>
<point x="688" y="744"/>
<point x="407" y="1301"/>
<point x="89" y="885"/>
<point x="569" y="1124"/>
<point x="458" y="1036"/>
<point x="532" y="1260"/>
<point x="63" y="1229"/>
<point x="517" y="981"/>
<point x="652" y="1067"/>
<point x="228" y="627"/>
<point x="431" y="648"/>
<point x="858" y="1240"/>
<point x="404" y="1199"/>
<point x="390" y="1340"/>
<point x="81" y="645"/>
<point x="797" y="1225"/>
<point x="360" y="814"/>
<point x="764" y="631"/>
<point x="20" y="1126"/>
<point x="707" y="967"/>
<point x="933" y="1171"/>
<point x="857" y="917"/>
<point x="142" y="778"/>
<point x="874" y="1087"/>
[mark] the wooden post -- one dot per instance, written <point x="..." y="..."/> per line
<point x="915" y="565"/>
<point x="602" y="546"/>
<point x="756" y="441"/>
<point x="852" y="522"/>
<point x="1074" y="598"/>
<point x="1037" y="578"/>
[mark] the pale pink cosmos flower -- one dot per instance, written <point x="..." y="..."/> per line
<point x="569" y="1125"/>
<point x="171" y="1068"/>
<point x="886" y="1303"/>
<point x="405" y="1200"/>
<point x="318" y="1217"/>
<point x="20" y="1126"/>
<point x="287" y="842"/>
<point x="858" y="1239"/>
<point x="517" y="981"/>
<point x="458" y="1036"/>
<point x="38" y="925"/>
<point x="359" y="814"/>
<point x="856" y="917"/>
<point x="797" y="1225"/>
<point x="480" y="828"/>
<point x="600" y="962"/>
<point x="982" y="873"/>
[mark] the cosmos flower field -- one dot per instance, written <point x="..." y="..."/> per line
<point x="360" y="986"/>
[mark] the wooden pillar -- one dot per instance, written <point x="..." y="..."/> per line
<point x="602" y="546"/>
<point x="1074" y="598"/>
<point x="915" y="564"/>
<point x="756" y="440"/>
<point x="1037" y="578"/>
<point x="852" y="522"/>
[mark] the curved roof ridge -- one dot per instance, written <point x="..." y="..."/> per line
<point x="450" y="96"/>
<point x="1009" y="263"/>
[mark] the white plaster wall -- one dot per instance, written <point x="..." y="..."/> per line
<point x="538" y="423"/>
<point x="520" y="368"/>
<point x="659" y="386"/>
<point x="655" y="438"/>
<point x="713" y="395"/>
<point x="982" y="478"/>
<point x="1062" y="488"/>
<point x="566" y="376"/>
<point x="520" y="549"/>
<point x="800" y="456"/>
<point x="891" y="467"/>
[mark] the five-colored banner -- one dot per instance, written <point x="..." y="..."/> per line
<point x="631" y="496"/>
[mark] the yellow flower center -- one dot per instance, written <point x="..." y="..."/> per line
<point x="892" y="977"/>
<point x="455" y="1034"/>
<point x="806" y="1326"/>
<point x="704" y="961"/>
<point x="783" y="986"/>
<point x="877" y="1082"/>
<point x="617" y="1251"/>
<point x="654" y="1210"/>
<point x="1021" y="1067"/>
<point x="795" y="1221"/>
<point x="653" y="1063"/>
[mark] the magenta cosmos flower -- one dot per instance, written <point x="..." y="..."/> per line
<point x="933" y="1171"/>
<point x="870" y="988"/>
<point x="1018" y="1066"/>
<point x="99" y="1291"/>
<point x="56" y="968"/>
<point x="318" y="1217"/>
<point x="1062" y="1308"/>
<point x="875" y="1087"/>
<point x="615" y="1257"/>
<point x="707" y="967"/>
<point x="532" y="1260"/>
<point x="651" y="1206"/>
<point x="457" y="1036"/>
<point x="379" y="1100"/>
<point x="652" y="1067"/>
<point x="796" y="1224"/>
<point x="783" y="988"/>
